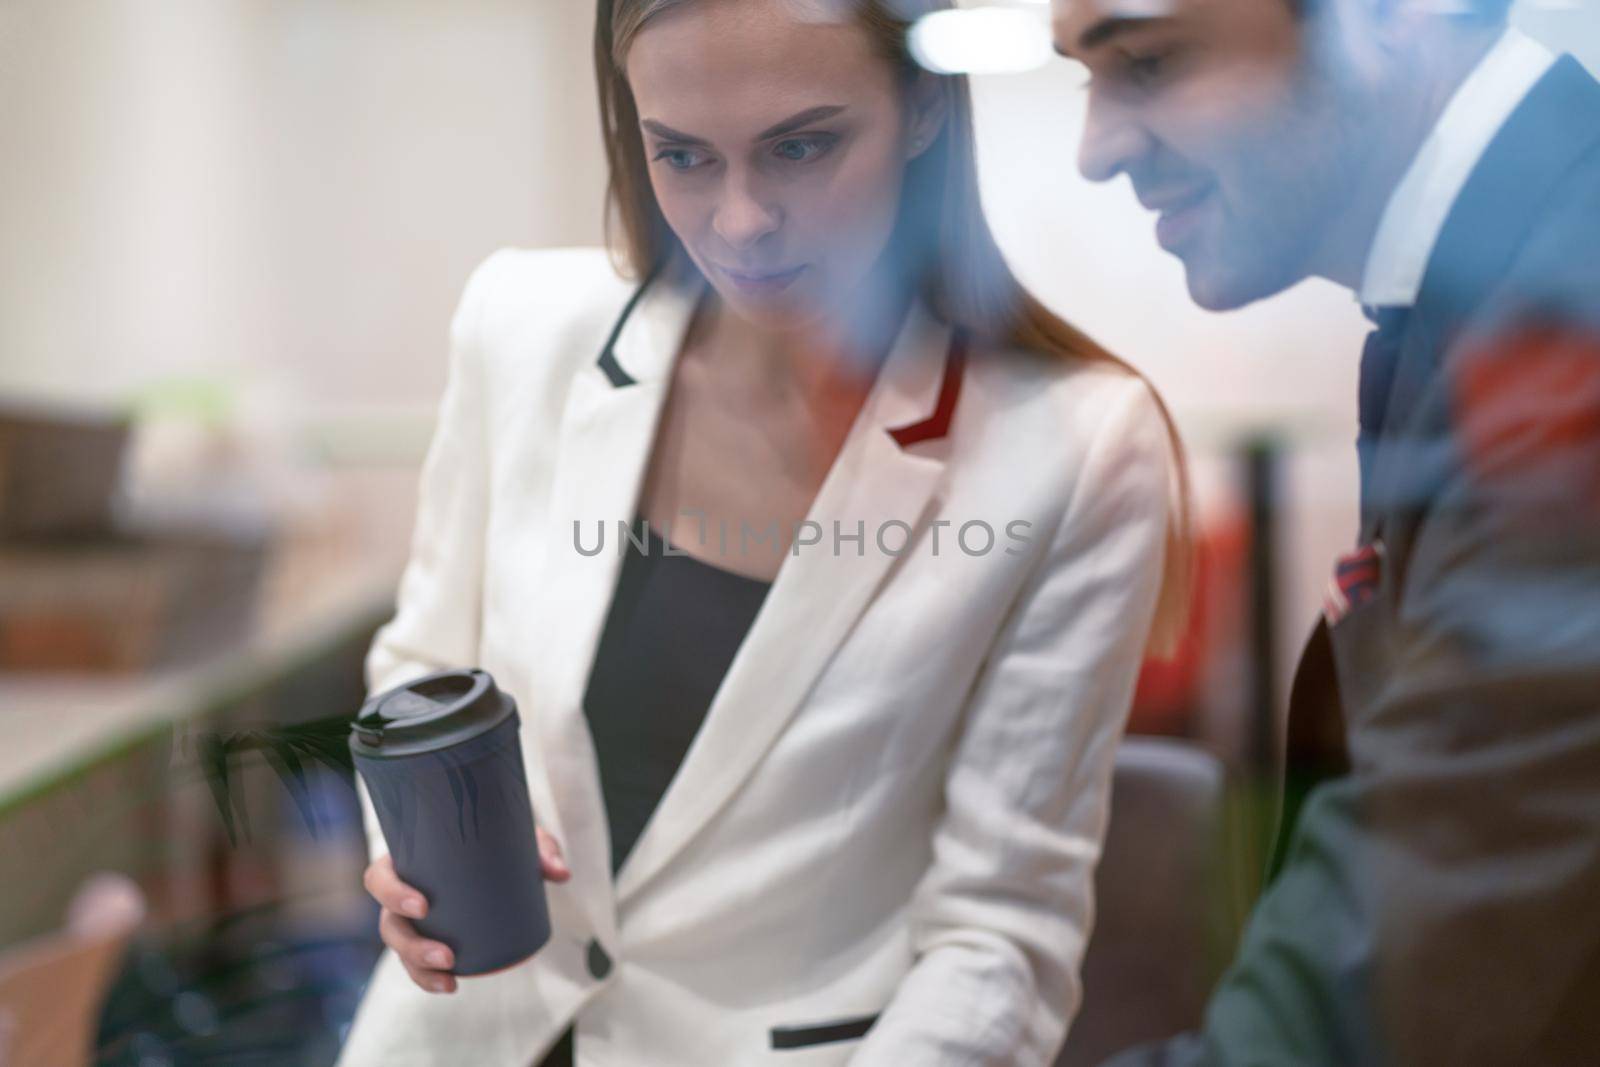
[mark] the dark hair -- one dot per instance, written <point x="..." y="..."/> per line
<point x="1478" y="11"/>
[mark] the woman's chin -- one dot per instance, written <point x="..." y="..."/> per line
<point x="778" y="312"/>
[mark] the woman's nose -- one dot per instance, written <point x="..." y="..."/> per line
<point x="743" y="217"/>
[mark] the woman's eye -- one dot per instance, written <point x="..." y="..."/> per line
<point x="680" y="158"/>
<point x="802" y="149"/>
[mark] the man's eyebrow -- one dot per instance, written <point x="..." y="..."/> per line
<point x="667" y="133"/>
<point x="1109" y="29"/>
<point x="795" y="122"/>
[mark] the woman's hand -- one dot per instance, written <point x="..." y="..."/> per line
<point x="429" y="962"/>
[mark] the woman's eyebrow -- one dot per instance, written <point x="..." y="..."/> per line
<point x="667" y="133"/>
<point x="795" y="122"/>
<point x="788" y="125"/>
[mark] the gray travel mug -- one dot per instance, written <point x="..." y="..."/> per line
<point x="443" y="765"/>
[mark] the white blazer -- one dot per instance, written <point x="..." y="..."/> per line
<point x="892" y="812"/>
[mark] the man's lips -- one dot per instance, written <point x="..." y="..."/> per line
<point x="1168" y="200"/>
<point x="1180" y="212"/>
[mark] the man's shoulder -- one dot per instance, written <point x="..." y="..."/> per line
<point x="1521" y="238"/>
<point x="1556" y="265"/>
<point x="1557" y="269"/>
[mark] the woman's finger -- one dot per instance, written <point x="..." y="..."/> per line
<point x="427" y="961"/>
<point x="551" y="857"/>
<point x="430" y="981"/>
<point x="390" y="892"/>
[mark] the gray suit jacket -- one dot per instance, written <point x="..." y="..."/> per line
<point x="1438" y="901"/>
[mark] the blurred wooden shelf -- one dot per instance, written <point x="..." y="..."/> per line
<point x="329" y="574"/>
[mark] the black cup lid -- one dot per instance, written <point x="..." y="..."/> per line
<point x="429" y="713"/>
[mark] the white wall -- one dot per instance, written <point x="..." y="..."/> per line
<point x="285" y="193"/>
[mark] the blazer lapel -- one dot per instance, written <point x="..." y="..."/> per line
<point x="607" y="429"/>
<point x="1546" y="136"/>
<point x="887" y="469"/>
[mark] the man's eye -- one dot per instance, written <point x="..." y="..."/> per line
<point x="681" y="158"/>
<point x="1147" y="70"/>
<point x="802" y="149"/>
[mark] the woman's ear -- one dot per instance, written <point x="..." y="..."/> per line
<point x="930" y="108"/>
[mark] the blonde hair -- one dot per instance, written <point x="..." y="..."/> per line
<point x="964" y="279"/>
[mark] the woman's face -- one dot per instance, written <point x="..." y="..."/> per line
<point x="777" y="147"/>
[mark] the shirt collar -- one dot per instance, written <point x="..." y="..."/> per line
<point x="1419" y="205"/>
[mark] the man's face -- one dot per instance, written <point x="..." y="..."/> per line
<point x="1226" y="126"/>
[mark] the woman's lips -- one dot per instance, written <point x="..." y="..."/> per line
<point x="762" y="283"/>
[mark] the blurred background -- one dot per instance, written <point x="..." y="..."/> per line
<point x="232" y="233"/>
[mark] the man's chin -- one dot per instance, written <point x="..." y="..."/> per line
<point x="1210" y="297"/>
<point x="1215" y="288"/>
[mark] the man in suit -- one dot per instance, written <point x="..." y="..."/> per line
<point x="1436" y="898"/>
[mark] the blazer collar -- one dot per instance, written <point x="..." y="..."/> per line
<point x="1555" y="126"/>
<point x="643" y="344"/>
<point x="1422" y="199"/>
<point x="917" y="394"/>
<point x="888" y="468"/>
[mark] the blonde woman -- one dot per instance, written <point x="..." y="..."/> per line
<point x="820" y="738"/>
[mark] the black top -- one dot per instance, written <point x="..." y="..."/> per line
<point x="672" y="631"/>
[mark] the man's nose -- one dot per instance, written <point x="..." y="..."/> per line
<point x="745" y="214"/>
<point x="1112" y="139"/>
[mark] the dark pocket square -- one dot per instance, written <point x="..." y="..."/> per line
<point x="822" y="1033"/>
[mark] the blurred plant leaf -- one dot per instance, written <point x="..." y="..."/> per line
<point x="286" y="749"/>
<point x="212" y="752"/>
<point x="290" y="772"/>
